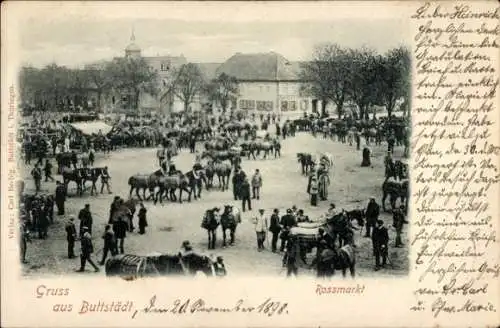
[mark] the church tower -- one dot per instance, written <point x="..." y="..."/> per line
<point x="132" y="50"/>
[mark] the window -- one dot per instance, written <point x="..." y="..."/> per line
<point x="266" y="106"/>
<point x="247" y="104"/>
<point x="165" y="67"/>
<point x="268" y="88"/>
<point x="288" y="106"/>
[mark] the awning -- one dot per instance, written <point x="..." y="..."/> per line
<point x="89" y="128"/>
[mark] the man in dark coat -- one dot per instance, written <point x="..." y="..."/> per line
<point x="287" y="222"/>
<point x="71" y="237"/>
<point x="105" y="177"/>
<point x="60" y="198"/>
<point x="48" y="171"/>
<point x="36" y="173"/>
<point x="113" y="208"/>
<point x="120" y="229"/>
<point x="143" y="223"/>
<point x="372" y="212"/>
<point x="398" y="221"/>
<point x="85" y="218"/>
<point x="245" y="194"/>
<point x="87" y="250"/>
<point x="380" y="239"/>
<point x="366" y="157"/>
<point x="275" y="228"/>
<point x="109" y="244"/>
<point x="49" y="208"/>
<point x="236" y="184"/>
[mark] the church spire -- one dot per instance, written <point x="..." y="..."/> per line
<point x="132" y="36"/>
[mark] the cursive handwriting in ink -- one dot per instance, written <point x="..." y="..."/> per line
<point x="456" y="154"/>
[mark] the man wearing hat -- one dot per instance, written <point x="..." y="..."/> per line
<point x="60" y="197"/>
<point x="313" y="190"/>
<point x="389" y="165"/>
<point x="71" y="236"/>
<point x="115" y="204"/>
<point x="220" y="268"/>
<point x="87" y="250"/>
<point x="245" y="194"/>
<point x="85" y="218"/>
<point x="372" y="212"/>
<point x="287" y="222"/>
<point x="398" y="221"/>
<point x="261" y="224"/>
<point x="275" y="229"/>
<point x="380" y="240"/>
<point x="332" y="211"/>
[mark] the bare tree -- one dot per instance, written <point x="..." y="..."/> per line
<point x="133" y="75"/>
<point x="394" y="77"/>
<point x="188" y="84"/>
<point x="223" y="90"/>
<point x="327" y="76"/>
<point x="363" y="85"/>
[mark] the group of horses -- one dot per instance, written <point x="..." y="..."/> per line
<point x="228" y="220"/>
<point x="160" y="184"/>
<point x="81" y="176"/>
<point x="396" y="184"/>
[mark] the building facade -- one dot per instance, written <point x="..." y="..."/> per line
<point x="268" y="83"/>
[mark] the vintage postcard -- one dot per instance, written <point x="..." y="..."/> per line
<point x="264" y="164"/>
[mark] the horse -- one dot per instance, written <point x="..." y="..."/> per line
<point x="169" y="184"/>
<point x="305" y="160"/>
<point x="131" y="267"/>
<point x="395" y="189"/>
<point x="223" y="171"/>
<point x="195" y="181"/>
<point x="341" y="259"/>
<point x="210" y="223"/>
<point x="67" y="159"/>
<point x="93" y="175"/>
<point x="229" y="221"/>
<point x="144" y="181"/>
<point x="264" y="145"/>
<point x="339" y="225"/>
<point x="73" y="175"/>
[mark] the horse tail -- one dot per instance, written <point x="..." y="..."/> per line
<point x="131" y="181"/>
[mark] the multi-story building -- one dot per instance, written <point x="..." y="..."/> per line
<point x="268" y="83"/>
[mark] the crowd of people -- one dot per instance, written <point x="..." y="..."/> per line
<point x="247" y="189"/>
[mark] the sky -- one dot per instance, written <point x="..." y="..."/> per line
<point x="75" y="39"/>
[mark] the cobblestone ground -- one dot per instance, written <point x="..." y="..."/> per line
<point x="171" y="223"/>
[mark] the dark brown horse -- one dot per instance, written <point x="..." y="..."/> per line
<point x="133" y="266"/>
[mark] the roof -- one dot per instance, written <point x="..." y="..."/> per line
<point x="209" y="70"/>
<point x="260" y="67"/>
<point x="89" y="128"/>
<point x="132" y="47"/>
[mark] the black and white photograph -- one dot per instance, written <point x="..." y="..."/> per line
<point x="177" y="147"/>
